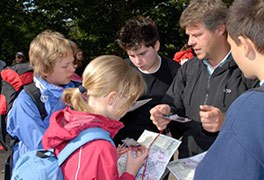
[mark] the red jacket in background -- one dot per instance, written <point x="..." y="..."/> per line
<point x="183" y="55"/>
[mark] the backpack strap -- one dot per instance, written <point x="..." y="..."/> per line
<point x="34" y="93"/>
<point x="84" y="137"/>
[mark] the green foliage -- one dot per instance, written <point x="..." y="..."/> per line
<point x="92" y="24"/>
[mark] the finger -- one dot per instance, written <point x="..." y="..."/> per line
<point x="206" y="108"/>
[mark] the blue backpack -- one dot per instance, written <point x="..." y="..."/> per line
<point x="43" y="164"/>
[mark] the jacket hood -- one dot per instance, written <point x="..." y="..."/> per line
<point x="66" y="124"/>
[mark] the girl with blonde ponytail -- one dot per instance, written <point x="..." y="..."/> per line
<point x="109" y="88"/>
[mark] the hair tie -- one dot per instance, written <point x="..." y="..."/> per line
<point x="82" y="89"/>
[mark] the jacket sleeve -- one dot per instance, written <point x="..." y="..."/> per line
<point x="173" y="97"/>
<point x="25" y="123"/>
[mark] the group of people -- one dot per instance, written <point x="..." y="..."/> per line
<point x="109" y="87"/>
<point x="209" y="89"/>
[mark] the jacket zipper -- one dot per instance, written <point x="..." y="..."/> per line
<point x="207" y="90"/>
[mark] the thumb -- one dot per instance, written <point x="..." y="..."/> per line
<point x="206" y="108"/>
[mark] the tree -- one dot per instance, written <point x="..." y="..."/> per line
<point x="92" y="24"/>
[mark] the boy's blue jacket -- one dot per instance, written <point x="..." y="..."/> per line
<point x="24" y="121"/>
<point x="238" y="152"/>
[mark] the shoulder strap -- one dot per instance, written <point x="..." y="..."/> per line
<point x="34" y="93"/>
<point x="84" y="137"/>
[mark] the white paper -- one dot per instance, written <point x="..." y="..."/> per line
<point x="139" y="104"/>
<point x="184" y="169"/>
<point x="160" y="154"/>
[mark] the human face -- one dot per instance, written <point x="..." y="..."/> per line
<point x="243" y="63"/>
<point x="79" y="56"/>
<point x="145" y="58"/>
<point x="203" y="41"/>
<point x="63" y="70"/>
<point x="19" y="59"/>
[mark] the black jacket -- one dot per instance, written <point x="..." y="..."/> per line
<point x="194" y="86"/>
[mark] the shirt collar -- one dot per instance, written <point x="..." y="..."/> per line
<point x="261" y="83"/>
<point x="211" y="69"/>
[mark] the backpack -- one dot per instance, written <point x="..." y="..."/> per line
<point x="12" y="80"/>
<point x="43" y="164"/>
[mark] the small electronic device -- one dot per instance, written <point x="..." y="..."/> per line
<point x="175" y="117"/>
<point x="130" y="142"/>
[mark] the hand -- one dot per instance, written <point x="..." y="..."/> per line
<point x="136" y="159"/>
<point x="156" y="115"/>
<point x="211" y="117"/>
<point x="121" y="150"/>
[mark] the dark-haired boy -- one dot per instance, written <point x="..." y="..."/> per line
<point x="140" y="39"/>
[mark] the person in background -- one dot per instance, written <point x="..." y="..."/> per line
<point x="185" y="54"/>
<point x="52" y="60"/>
<point x="19" y="58"/>
<point x="140" y="39"/>
<point x="2" y="65"/>
<point x="237" y="152"/>
<point x="80" y="62"/>
<point x="109" y="88"/>
<point x="206" y="85"/>
<point x="77" y="63"/>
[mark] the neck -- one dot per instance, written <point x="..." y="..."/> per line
<point x="155" y="67"/>
<point x="218" y="57"/>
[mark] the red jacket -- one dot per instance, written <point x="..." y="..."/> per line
<point x="94" y="160"/>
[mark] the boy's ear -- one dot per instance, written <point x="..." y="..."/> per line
<point x="221" y="30"/>
<point x="157" y="45"/>
<point x="248" y="47"/>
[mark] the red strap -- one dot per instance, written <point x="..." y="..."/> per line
<point x="12" y="78"/>
<point x="3" y="105"/>
<point x="26" y="78"/>
<point x="145" y="165"/>
<point x="15" y="79"/>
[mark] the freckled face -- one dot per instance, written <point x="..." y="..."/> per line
<point x="63" y="70"/>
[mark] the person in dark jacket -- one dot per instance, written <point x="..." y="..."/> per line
<point x="140" y="39"/>
<point x="237" y="152"/>
<point x="206" y="85"/>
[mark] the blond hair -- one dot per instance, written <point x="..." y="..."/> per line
<point x="45" y="49"/>
<point x="103" y="75"/>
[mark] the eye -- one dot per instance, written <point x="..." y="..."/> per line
<point x="142" y="54"/>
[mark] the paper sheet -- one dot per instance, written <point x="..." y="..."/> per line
<point x="184" y="169"/>
<point x="160" y="154"/>
<point x="139" y="104"/>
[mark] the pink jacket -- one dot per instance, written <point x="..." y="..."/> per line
<point x="94" y="160"/>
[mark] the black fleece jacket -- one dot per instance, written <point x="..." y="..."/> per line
<point x="194" y="86"/>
